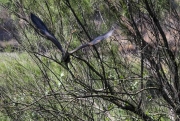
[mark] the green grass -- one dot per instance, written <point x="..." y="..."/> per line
<point x="16" y="65"/>
<point x="23" y="82"/>
<point x="21" y="79"/>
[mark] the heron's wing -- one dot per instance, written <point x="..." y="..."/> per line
<point x="94" y="41"/>
<point x="78" y="48"/>
<point x="101" y="37"/>
<point x="44" y="31"/>
<point x="38" y="22"/>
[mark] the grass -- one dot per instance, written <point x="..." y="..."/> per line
<point x="16" y="65"/>
<point x="23" y="82"/>
<point x="20" y="80"/>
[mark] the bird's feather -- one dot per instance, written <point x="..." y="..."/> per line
<point x="101" y="37"/>
<point x="39" y="24"/>
<point x="94" y="41"/>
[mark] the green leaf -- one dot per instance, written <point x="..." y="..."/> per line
<point x="4" y="1"/>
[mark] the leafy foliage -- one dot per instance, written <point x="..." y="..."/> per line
<point x="110" y="81"/>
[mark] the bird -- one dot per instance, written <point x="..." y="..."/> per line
<point x="43" y="30"/>
<point x="39" y="24"/>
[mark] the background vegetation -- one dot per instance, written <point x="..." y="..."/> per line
<point x="134" y="75"/>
